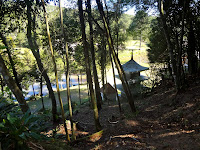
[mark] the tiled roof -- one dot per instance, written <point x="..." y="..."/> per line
<point x="132" y="66"/>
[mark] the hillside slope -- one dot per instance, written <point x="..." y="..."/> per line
<point x="166" y="120"/>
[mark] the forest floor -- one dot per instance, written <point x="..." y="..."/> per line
<point x="165" y="120"/>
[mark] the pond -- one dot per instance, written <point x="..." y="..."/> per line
<point x="62" y="85"/>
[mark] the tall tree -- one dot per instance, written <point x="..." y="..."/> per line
<point x="116" y="60"/>
<point x="41" y="92"/>
<point x="55" y="70"/>
<point x="67" y="72"/>
<point x="3" y="38"/>
<point x="175" y="58"/>
<point x="87" y="63"/>
<point x="103" y="64"/>
<point x="34" y="47"/>
<point x="113" y="71"/>
<point x="140" y="26"/>
<point x="192" y="16"/>
<point x="13" y="86"/>
<point x="92" y="50"/>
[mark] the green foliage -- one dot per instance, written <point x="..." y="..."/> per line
<point x="79" y="58"/>
<point x="66" y="107"/>
<point x="6" y="106"/>
<point x="2" y="47"/>
<point x="16" y="131"/>
<point x="140" y="25"/>
<point x="123" y="25"/>
<point x="157" y="51"/>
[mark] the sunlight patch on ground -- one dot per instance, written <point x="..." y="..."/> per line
<point x="97" y="147"/>
<point x="132" y="136"/>
<point x="152" y="108"/>
<point x="132" y="123"/>
<point x="189" y="105"/>
<point x="175" y="133"/>
<point x="113" y="106"/>
<point x="96" y="136"/>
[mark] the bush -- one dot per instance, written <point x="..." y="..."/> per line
<point x="6" y="106"/>
<point x="17" y="131"/>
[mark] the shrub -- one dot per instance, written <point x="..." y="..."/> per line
<point x="16" y="131"/>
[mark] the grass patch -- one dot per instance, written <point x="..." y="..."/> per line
<point x="139" y="56"/>
<point x="37" y="105"/>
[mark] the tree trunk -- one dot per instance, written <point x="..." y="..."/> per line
<point x="88" y="94"/>
<point x="192" y="59"/>
<point x="34" y="48"/>
<point x="13" y="86"/>
<point x="2" y="86"/>
<point x="103" y="60"/>
<point x="116" y="60"/>
<point x="96" y="81"/>
<point x="113" y="71"/>
<point x="11" y="60"/>
<point x="169" y="45"/>
<point x="79" y="90"/>
<point x="140" y="40"/>
<point x="33" y="92"/>
<point x="55" y="70"/>
<point x="81" y="78"/>
<point x="180" y="72"/>
<point x="67" y="73"/>
<point x="41" y="93"/>
<point x="88" y="71"/>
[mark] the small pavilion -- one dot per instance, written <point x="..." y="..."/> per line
<point x="132" y="70"/>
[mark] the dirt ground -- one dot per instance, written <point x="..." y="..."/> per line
<point x="165" y="120"/>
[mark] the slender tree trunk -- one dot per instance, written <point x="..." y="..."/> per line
<point x="88" y="71"/>
<point x="2" y="91"/>
<point x="192" y="59"/>
<point x="61" y="86"/>
<point x="113" y="71"/>
<point x="33" y="46"/>
<point x="81" y="79"/>
<point x="103" y="60"/>
<point x="140" y="39"/>
<point x="180" y="72"/>
<point x="55" y="70"/>
<point x="96" y="81"/>
<point x="13" y="86"/>
<point x="11" y="60"/>
<point x="116" y="60"/>
<point x="79" y="90"/>
<point x="88" y="94"/>
<point x="169" y="45"/>
<point x="33" y="92"/>
<point x="41" y="93"/>
<point x="67" y="73"/>
<point x="117" y="22"/>
<point x="107" y="12"/>
<point x="117" y="41"/>
<point x="170" y="69"/>
<point x="106" y="75"/>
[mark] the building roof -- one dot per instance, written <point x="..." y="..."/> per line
<point x="132" y="66"/>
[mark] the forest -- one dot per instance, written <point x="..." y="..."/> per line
<point x="115" y="74"/>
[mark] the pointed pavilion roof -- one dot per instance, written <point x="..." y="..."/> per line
<point x="132" y="66"/>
